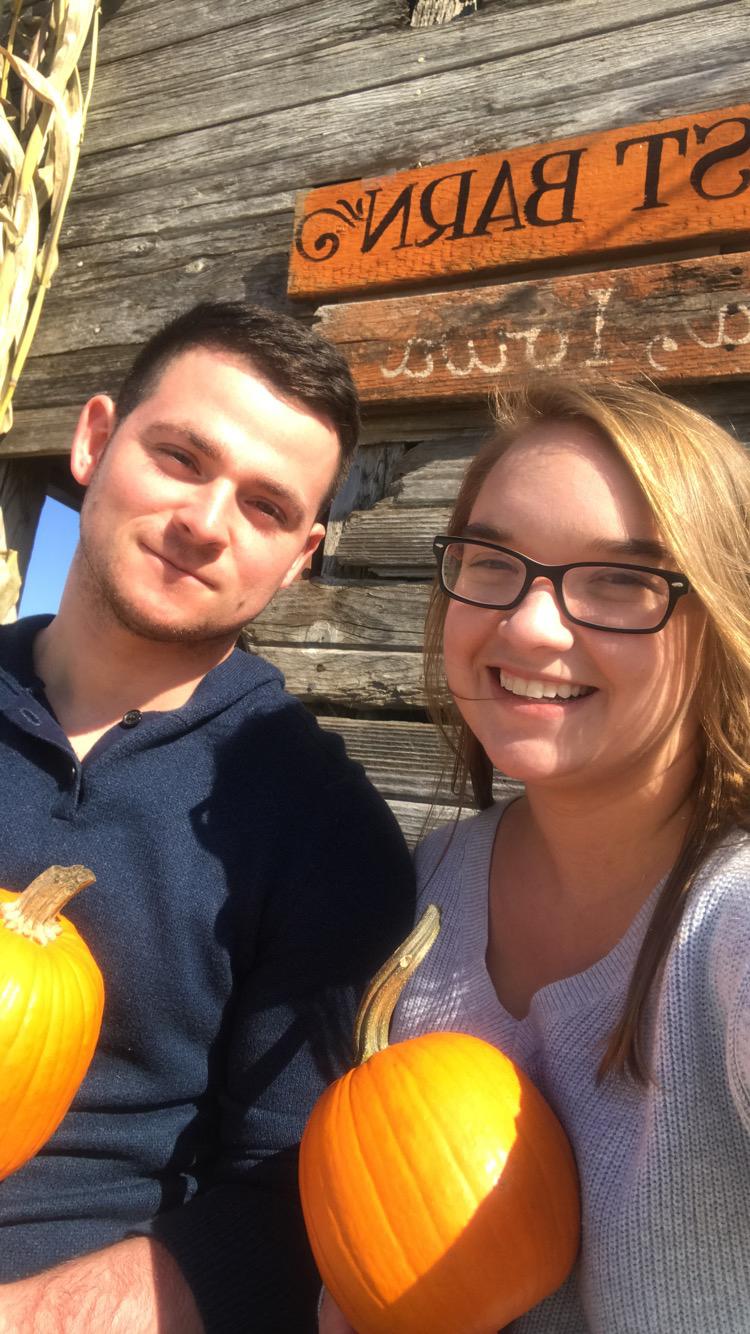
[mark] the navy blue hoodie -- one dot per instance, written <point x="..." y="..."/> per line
<point x="249" y="881"/>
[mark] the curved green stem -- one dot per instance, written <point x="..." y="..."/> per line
<point x="374" y="1015"/>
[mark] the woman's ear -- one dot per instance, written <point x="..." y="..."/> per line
<point x="94" y="429"/>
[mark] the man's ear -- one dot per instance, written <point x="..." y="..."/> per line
<point x="314" y="539"/>
<point x="95" y="426"/>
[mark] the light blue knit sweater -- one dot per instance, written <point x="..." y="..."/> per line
<point x="665" y="1170"/>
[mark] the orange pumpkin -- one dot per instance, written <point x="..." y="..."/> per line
<point x="51" y="1001"/>
<point x="439" y="1189"/>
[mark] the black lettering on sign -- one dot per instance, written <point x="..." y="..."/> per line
<point x="455" y="225"/>
<point x="654" y="151"/>
<point x="544" y="187"/>
<point x="723" y="154"/>
<point x="502" y="182"/>
<point x="400" y="206"/>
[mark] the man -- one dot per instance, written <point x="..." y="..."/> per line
<point x="249" y="879"/>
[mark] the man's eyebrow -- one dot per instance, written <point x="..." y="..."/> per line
<point x="199" y="442"/>
<point x="210" y="450"/>
<point x="291" y="503"/>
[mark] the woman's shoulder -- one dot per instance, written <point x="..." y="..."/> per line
<point x="716" y="923"/>
<point x="444" y="849"/>
<point x="722" y="885"/>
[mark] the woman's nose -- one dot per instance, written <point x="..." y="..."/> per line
<point x="538" y="618"/>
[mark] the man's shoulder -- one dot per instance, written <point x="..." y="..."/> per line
<point x="17" y="648"/>
<point x="263" y="724"/>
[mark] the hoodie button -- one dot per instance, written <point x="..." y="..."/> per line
<point x="131" y="718"/>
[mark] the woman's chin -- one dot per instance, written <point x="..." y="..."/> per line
<point x="536" y="766"/>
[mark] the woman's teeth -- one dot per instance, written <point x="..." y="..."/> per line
<point x="517" y="685"/>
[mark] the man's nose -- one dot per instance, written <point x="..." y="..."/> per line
<point x="538" y="618"/>
<point x="206" y="515"/>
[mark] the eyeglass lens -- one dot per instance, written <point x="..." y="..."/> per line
<point x="611" y="597"/>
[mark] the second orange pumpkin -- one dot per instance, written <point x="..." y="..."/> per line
<point x="439" y="1189"/>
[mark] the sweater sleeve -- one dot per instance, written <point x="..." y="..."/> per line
<point x="729" y="970"/>
<point x="738" y="1043"/>
<point x="343" y="902"/>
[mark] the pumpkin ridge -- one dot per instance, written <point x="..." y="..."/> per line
<point x="436" y="1121"/>
<point x="68" y="983"/>
<point x="367" y="1096"/>
<point x="9" y="1004"/>
<point x="551" y="1188"/>
<point x="54" y="1037"/>
<point x="312" y="1174"/>
<point x="359" y="1095"/>
<point x="475" y="1197"/>
<point x="341" y="1091"/>
<point x="16" y="1128"/>
<point x="48" y="1061"/>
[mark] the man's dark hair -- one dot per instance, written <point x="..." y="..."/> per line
<point x="292" y="358"/>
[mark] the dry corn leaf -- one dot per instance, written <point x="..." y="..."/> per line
<point x="10" y="582"/>
<point x="42" y="114"/>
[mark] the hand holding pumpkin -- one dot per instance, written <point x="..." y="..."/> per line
<point x="51" y="1001"/>
<point x="439" y="1190"/>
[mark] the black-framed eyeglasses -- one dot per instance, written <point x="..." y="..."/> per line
<point x="626" y="599"/>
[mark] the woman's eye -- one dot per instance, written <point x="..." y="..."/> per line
<point x="493" y="563"/>
<point x="626" y="581"/>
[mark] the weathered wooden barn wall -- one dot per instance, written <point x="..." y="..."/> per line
<point x="208" y="117"/>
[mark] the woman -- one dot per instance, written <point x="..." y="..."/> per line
<point x="594" y="613"/>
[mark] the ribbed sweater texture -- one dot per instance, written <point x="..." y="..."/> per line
<point x="664" y="1169"/>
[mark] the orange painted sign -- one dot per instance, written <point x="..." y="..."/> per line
<point x="685" y="180"/>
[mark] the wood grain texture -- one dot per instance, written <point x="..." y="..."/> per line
<point x="139" y="27"/>
<point x="41" y="432"/>
<point x="389" y="539"/>
<point x="351" y="678"/>
<point x="683" y="180"/>
<point x="349" y="613"/>
<point x="676" y="323"/>
<point x="367" y="481"/>
<point x="418" y="819"/>
<point x="404" y="759"/>
<point x="431" y="473"/>
<point x="254" y="60"/>
<point x="250" y="60"/>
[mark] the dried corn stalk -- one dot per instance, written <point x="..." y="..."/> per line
<point x="42" y="114"/>
<point x="10" y="584"/>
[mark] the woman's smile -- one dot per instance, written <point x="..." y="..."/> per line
<point x="544" y="689"/>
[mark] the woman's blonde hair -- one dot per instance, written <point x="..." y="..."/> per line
<point x="696" y="480"/>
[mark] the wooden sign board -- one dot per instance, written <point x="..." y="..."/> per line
<point x="682" y="322"/>
<point x="684" y="180"/>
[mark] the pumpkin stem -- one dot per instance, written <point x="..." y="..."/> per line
<point x="33" y="912"/>
<point x="376" y="1008"/>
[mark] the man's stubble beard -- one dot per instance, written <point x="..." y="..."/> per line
<point x="100" y="586"/>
